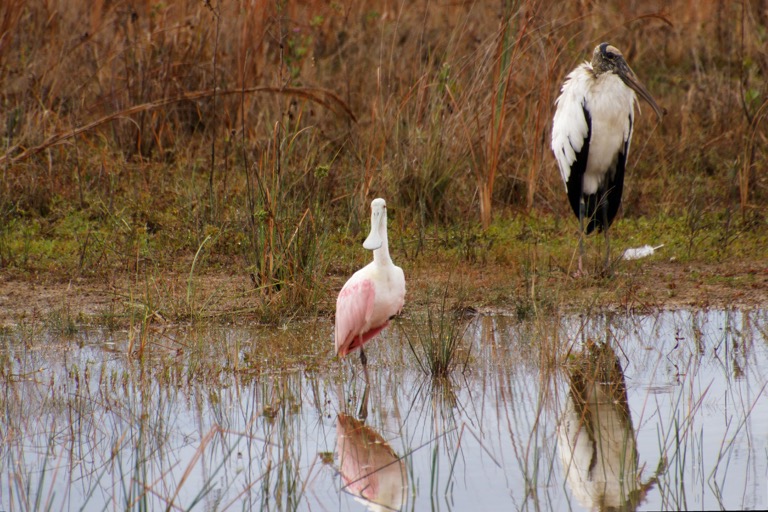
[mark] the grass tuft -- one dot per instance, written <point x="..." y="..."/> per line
<point x="438" y="343"/>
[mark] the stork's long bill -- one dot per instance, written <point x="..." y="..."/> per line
<point x="632" y="82"/>
<point x="608" y="58"/>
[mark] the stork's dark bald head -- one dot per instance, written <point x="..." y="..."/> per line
<point x="606" y="58"/>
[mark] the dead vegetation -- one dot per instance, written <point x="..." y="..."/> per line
<point x="140" y="137"/>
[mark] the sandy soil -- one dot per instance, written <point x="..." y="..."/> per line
<point x="646" y="286"/>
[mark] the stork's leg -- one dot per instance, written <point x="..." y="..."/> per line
<point x="607" y="267"/>
<point x="362" y="410"/>
<point x="582" y="208"/>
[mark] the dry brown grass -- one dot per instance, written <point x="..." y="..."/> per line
<point x="425" y="82"/>
<point x="164" y="117"/>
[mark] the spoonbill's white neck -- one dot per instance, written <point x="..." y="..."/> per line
<point x="381" y="255"/>
<point x="377" y="239"/>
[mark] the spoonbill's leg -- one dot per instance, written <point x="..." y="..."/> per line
<point x="362" y="410"/>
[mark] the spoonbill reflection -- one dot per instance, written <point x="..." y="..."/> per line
<point x="373" y="295"/>
<point x="591" y="133"/>
<point x="369" y="467"/>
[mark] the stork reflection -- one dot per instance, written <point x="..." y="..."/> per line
<point x="371" y="470"/>
<point x="596" y="440"/>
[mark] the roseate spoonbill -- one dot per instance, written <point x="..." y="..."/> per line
<point x="591" y="133"/>
<point x="373" y="295"/>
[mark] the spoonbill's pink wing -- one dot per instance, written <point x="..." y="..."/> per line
<point x="353" y="310"/>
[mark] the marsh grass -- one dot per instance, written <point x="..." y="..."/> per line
<point x="215" y="417"/>
<point x="62" y="322"/>
<point x="436" y="338"/>
<point x="199" y="137"/>
<point x="108" y="431"/>
<point x="286" y="235"/>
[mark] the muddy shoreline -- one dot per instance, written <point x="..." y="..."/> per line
<point x="229" y="297"/>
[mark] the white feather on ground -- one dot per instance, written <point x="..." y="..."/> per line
<point x="636" y="253"/>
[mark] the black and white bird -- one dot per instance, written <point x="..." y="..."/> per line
<point x="591" y="133"/>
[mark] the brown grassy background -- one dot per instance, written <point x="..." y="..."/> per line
<point x="112" y="129"/>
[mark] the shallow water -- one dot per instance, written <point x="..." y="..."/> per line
<point x="641" y="411"/>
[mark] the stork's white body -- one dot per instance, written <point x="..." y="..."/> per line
<point x="610" y="105"/>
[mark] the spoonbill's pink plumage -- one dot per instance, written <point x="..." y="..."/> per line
<point x="373" y="294"/>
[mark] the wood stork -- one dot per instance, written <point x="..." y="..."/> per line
<point x="591" y="133"/>
<point x="373" y="295"/>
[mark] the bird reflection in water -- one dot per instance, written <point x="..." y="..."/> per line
<point x="371" y="470"/>
<point x="596" y="440"/>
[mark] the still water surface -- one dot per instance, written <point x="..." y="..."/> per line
<point x="661" y="411"/>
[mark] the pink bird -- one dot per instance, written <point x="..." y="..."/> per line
<point x="373" y="295"/>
